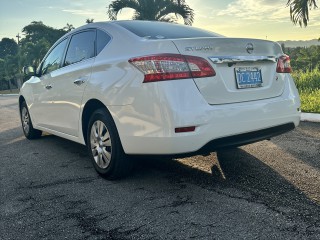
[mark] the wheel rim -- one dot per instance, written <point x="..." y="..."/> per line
<point x="101" y="146"/>
<point x="25" y="120"/>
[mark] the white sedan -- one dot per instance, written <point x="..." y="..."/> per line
<point x="128" y="88"/>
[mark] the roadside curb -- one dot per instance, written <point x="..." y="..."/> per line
<point x="310" y="117"/>
<point x="12" y="94"/>
<point x="306" y="117"/>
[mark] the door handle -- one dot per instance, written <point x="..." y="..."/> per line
<point x="80" y="81"/>
<point x="48" y="87"/>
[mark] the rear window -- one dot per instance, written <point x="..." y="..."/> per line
<point x="162" y="30"/>
<point x="81" y="47"/>
<point x="102" y="40"/>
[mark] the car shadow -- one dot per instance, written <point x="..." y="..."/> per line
<point x="248" y="178"/>
<point x="304" y="140"/>
<point x="10" y="135"/>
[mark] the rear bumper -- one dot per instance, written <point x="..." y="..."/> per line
<point x="234" y="141"/>
<point x="246" y="138"/>
<point x="177" y="104"/>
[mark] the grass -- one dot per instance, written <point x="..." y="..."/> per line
<point x="308" y="84"/>
<point x="8" y="91"/>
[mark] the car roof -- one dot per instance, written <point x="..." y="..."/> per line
<point x="149" y="29"/>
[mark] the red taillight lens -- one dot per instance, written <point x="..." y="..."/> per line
<point x="283" y="65"/>
<point x="185" y="129"/>
<point x="199" y="67"/>
<point x="171" y="67"/>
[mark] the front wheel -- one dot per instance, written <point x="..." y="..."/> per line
<point x="26" y="123"/>
<point x="105" y="147"/>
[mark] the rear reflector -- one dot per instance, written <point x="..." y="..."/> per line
<point x="165" y="67"/>
<point x="283" y="65"/>
<point x="185" y="129"/>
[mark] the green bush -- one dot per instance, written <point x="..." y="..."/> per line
<point x="308" y="84"/>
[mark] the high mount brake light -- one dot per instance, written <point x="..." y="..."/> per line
<point x="165" y="67"/>
<point x="283" y="65"/>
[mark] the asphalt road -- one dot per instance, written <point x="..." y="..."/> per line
<point x="49" y="190"/>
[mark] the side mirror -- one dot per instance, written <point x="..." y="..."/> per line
<point x="28" y="71"/>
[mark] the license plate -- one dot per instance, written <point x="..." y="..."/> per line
<point x="248" y="77"/>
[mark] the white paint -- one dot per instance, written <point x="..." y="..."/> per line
<point x="146" y="114"/>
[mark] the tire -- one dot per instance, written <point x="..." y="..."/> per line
<point x="105" y="147"/>
<point x="26" y="123"/>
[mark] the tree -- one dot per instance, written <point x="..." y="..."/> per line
<point x="37" y="41"/>
<point x="9" y="62"/>
<point x="299" y="10"/>
<point x="154" y="10"/>
<point x="9" y="68"/>
<point x="68" y="27"/>
<point x="33" y="52"/>
<point x="304" y="58"/>
<point x="37" y="30"/>
<point x="8" y="47"/>
<point x="38" y="38"/>
<point x="89" y="20"/>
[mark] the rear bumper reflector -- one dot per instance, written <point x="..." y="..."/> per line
<point x="185" y="129"/>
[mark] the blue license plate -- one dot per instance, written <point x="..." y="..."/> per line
<point x="248" y="77"/>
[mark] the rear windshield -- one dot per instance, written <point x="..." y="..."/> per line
<point x="162" y="30"/>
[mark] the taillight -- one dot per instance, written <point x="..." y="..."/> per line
<point x="165" y="67"/>
<point x="283" y="65"/>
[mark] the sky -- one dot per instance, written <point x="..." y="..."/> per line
<point x="263" y="19"/>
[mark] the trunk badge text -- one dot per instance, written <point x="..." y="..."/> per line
<point x="203" y="48"/>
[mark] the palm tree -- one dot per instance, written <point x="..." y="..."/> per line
<point x="89" y="20"/>
<point x="68" y="27"/>
<point x="299" y="10"/>
<point x="154" y="10"/>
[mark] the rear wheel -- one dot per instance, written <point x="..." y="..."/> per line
<point x="26" y="123"/>
<point x="105" y="147"/>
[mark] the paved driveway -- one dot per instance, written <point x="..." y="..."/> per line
<point x="49" y="190"/>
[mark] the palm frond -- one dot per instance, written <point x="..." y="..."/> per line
<point x="182" y="10"/>
<point x="158" y="10"/>
<point x="116" y="6"/>
<point x="299" y="10"/>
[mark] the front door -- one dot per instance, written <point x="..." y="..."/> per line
<point x="64" y="87"/>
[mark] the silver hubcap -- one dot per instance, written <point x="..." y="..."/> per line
<point x="100" y="144"/>
<point x="25" y="120"/>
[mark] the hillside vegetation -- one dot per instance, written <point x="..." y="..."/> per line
<point x="308" y="84"/>
<point x="305" y="62"/>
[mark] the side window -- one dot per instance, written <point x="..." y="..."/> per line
<point x="81" y="47"/>
<point x="102" y="40"/>
<point x="54" y="59"/>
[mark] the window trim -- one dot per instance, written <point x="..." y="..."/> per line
<point x="68" y="45"/>
<point x="39" y="69"/>
<point x="64" y="55"/>
<point x="102" y="30"/>
<point x="46" y="56"/>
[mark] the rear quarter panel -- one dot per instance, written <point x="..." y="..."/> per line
<point x="114" y="81"/>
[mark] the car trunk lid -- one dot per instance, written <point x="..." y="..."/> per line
<point x="245" y="68"/>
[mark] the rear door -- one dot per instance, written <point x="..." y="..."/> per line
<point x="245" y="68"/>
